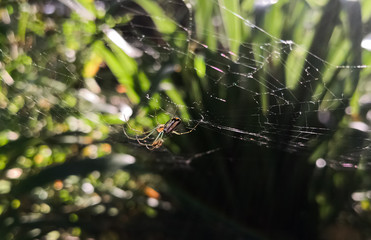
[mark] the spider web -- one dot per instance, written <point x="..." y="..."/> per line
<point x="241" y="72"/>
<point x="266" y="97"/>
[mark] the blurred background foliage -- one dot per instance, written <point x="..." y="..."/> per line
<point x="72" y="72"/>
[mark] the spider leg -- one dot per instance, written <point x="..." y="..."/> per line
<point x="155" y="144"/>
<point x="159" y="136"/>
<point x="141" y="132"/>
<point x="150" y="147"/>
<point x="132" y="138"/>
<point x="143" y="143"/>
<point x="135" y="130"/>
<point x="178" y="133"/>
<point x="141" y="138"/>
<point x="146" y="136"/>
<point x="138" y="131"/>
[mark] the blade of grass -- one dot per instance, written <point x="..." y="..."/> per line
<point x="230" y="10"/>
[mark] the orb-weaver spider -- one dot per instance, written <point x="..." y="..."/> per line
<point x="162" y="129"/>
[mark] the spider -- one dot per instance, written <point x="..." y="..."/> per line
<point x="162" y="129"/>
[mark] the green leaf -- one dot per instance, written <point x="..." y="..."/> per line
<point x="294" y="66"/>
<point x="178" y="100"/>
<point x="118" y="66"/>
<point x="23" y="21"/>
<point x="205" y="28"/>
<point x="232" y="24"/>
<point x="163" y="23"/>
<point x="200" y="66"/>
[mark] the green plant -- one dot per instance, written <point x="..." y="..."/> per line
<point x="279" y="90"/>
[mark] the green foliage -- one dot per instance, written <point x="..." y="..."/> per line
<point x="277" y="90"/>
